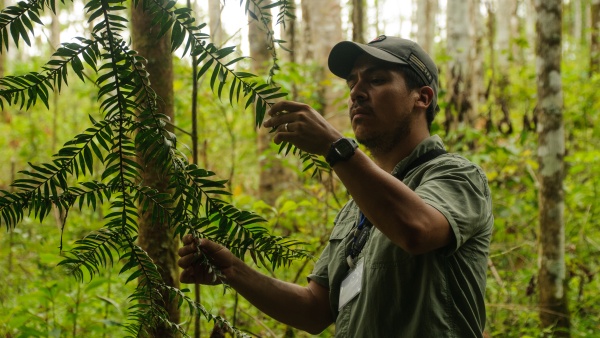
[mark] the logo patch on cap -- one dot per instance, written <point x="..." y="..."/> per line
<point x="377" y="39"/>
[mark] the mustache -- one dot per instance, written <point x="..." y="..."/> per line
<point x="356" y="108"/>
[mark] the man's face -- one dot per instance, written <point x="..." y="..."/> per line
<point x="380" y="105"/>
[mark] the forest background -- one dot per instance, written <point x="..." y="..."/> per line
<point x="485" y="50"/>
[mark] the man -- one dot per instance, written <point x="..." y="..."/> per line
<point x="407" y="256"/>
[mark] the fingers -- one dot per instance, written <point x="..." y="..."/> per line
<point x="286" y="106"/>
<point x="192" y="262"/>
<point x="187" y="239"/>
<point x="282" y="112"/>
<point x="189" y="252"/>
<point x="187" y="276"/>
<point x="188" y="260"/>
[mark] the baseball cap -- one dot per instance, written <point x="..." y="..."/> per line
<point x="390" y="49"/>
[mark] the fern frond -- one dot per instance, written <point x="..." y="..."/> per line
<point x="18" y="20"/>
<point x="93" y="252"/>
<point x="12" y="207"/>
<point x="197" y="309"/>
<point x="25" y="90"/>
<point x="236" y="229"/>
<point x="132" y="134"/>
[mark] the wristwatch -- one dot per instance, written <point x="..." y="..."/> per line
<point x="341" y="150"/>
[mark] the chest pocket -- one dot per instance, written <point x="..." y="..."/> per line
<point x="344" y="223"/>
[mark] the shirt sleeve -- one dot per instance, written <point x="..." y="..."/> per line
<point x="458" y="189"/>
<point x="319" y="273"/>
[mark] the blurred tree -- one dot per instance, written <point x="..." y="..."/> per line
<point x="577" y="26"/>
<point x="553" y="307"/>
<point x="215" y="21"/>
<point x="322" y="30"/>
<point x="506" y="13"/>
<point x="272" y="179"/>
<point x="478" y="88"/>
<point x="426" y="23"/>
<point x="358" y="20"/>
<point x="459" y="46"/>
<point x="595" y="37"/>
<point x="54" y="44"/>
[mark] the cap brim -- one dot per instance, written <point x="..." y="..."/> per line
<point x="344" y="54"/>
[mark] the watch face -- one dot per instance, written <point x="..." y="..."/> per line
<point x="344" y="148"/>
<point x="341" y="150"/>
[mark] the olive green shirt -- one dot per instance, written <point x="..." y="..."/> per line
<point x="438" y="294"/>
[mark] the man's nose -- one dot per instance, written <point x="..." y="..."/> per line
<point x="358" y="93"/>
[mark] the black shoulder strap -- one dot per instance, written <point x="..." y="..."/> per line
<point x="428" y="156"/>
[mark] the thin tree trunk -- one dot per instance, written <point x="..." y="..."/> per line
<point x="272" y="177"/>
<point x="476" y="57"/>
<point x="197" y="288"/>
<point x="577" y="21"/>
<point x="358" y="21"/>
<point x="504" y="36"/>
<point x="156" y="238"/>
<point x="595" y="37"/>
<point x="4" y="114"/>
<point x="216" y="28"/>
<point x="289" y="35"/>
<point x="426" y="10"/>
<point x="530" y="23"/>
<point x="55" y="42"/>
<point x="458" y="48"/>
<point x="554" y="312"/>
<point x="323" y="29"/>
<point x="11" y="232"/>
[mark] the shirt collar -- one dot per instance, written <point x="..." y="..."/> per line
<point x="430" y="143"/>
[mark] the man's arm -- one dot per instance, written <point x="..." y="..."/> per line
<point x="395" y="209"/>
<point x="306" y="308"/>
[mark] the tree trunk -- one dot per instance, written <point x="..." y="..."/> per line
<point x="553" y="306"/>
<point x="155" y="238"/>
<point x="55" y="44"/>
<point x="505" y="14"/>
<point x="290" y="55"/>
<point x="458" y="47"/>
<point x="272" y="178"/>
<point x="504" y="33"/>
<point x="216" y="28"/>
<point x="577" y="21"/>
<point x="358" y="21"/>
<point x="595" y="38"/>
<point x="5" y="114"/>
<point x="289" y="35"/>
<point x="322" y="30"/>
<point x="426" y="11"/>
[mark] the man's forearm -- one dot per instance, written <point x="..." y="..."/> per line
<point x="305" y="308"/>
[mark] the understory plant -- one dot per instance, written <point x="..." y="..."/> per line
<point x="132" y="132"/>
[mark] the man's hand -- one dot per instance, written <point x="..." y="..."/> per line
<point x="191" y="261"/>
<point x="302" y="126"/>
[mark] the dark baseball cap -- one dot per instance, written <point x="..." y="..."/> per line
<point x="389" y="49"/>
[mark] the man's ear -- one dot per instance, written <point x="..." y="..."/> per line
<point x="425" y="97"/>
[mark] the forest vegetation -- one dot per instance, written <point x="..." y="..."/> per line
<point x="274" y="205"/>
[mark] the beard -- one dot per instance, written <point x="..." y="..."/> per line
<point x="384" y="142"/>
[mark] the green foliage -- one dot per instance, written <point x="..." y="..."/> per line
<point x="132" y="133"/>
